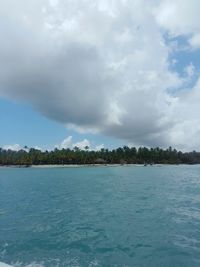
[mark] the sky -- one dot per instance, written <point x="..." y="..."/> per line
<point x="99" y="73"/>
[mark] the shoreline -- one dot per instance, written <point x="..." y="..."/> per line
<point x="46" y="166"/>
<point x="66" y="166"/>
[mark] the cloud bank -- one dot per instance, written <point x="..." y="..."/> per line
<point x="15" y="147"/>
<point x="68" y="142"/>
<point x="83" y="144"/>
<point x="104" y="66"/>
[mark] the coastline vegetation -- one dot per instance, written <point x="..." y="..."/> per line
<point x="121" y="155"/>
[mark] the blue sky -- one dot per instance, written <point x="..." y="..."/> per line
<point x="20" y="124"/>
<point x="100" y="73"/>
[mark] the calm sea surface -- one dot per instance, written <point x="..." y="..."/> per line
<point x="103" y="216"/>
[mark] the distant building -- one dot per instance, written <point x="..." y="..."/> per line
<point x="122" y="161"/>
<point x="100" y="161"/>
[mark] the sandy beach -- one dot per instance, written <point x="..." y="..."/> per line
<point x="78" y="165"/>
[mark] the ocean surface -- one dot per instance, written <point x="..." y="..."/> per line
<point x="100" y="216"/>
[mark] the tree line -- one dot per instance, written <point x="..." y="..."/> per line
<point x="121" y="155"/>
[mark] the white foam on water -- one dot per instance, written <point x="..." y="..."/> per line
<point x="3" y="252"/>
<point x="33" y="264"/>
<point x="18" y="264"/>
<point x="69" y="263"/>
<point x="4" y="265"/>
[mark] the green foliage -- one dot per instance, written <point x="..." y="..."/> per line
<point x="121" y="155"/>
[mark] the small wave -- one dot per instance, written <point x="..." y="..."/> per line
<point x="4" y="265"/>
<point x="70" y="263"/>
<point x="33" y="264"/>
<point x="18" y="264"/>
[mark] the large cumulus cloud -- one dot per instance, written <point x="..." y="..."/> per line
<point x="99" y="65"/>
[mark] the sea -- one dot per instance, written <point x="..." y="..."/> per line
<point x="121" y="216"/>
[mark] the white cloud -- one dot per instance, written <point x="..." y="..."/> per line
<point x="82" y="144"/>
<point x="38" y="148"/>
<point x="190" y="70"/>
<point x="195" y="41"/>
<point x="14" y="147"/>
<point x="180" y="17"/>
<point x="17" y="147"/>
<point x="99" y="147"/>
<point x="68" y="143"/>
<point x="100" y="66"/>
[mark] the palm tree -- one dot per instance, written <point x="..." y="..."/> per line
<point x="86" y="153"/>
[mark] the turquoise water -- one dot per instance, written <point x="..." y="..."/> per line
<point x="106" y="216"/>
